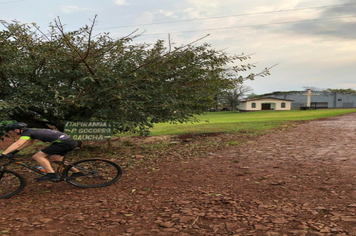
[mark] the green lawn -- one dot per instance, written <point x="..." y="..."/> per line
<point x="250" y="121"/>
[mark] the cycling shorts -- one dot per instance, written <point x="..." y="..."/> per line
<point x="60" y="148"/>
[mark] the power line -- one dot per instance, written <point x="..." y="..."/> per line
<point x="257" y="25"/>
<point x="220" y="17"/>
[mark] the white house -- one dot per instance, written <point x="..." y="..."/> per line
<point x="266" y="103"/>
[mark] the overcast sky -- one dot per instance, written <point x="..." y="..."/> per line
<point x="312" y="41"/>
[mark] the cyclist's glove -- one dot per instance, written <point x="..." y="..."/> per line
<point x="12" y="154"/>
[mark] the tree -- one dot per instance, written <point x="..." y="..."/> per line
<point x="252" y="96"/>
<point x="50" y="78"/>
<point x="232" y="97"/>
<point x="345" y="91"/>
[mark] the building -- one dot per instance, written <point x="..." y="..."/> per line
<point x="318" y="99"/>
<point x="266" y="103"/>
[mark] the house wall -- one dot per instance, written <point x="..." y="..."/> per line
<point x="329" y="99"/>
<point x="275" y="105"/>
<point x="242" y="106"/>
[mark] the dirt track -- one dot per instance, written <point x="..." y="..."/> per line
<point x="296" y="181"/>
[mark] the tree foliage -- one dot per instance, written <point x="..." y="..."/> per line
<point x="344" y="91"/>
<point x="329" y="90"/>
<point x="232" y="97"/>
<point x="59" y="76"/>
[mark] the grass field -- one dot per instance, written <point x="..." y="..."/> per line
<point x="249" y="121"/>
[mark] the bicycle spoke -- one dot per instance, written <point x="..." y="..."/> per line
<point x="96" y="173"/>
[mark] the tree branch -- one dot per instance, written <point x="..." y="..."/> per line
<point x="60" y="27"/>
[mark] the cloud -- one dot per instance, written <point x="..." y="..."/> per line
<point x="120" y="2"/>
<point x="167" y="13"/>
<point x="341" y="23"/>
<point x="145" y="18"/>
<point x="349" y="8"/>
<point x="203" y="8"/>
<point x="68" y="9"/>
<point x="333" y="28"/>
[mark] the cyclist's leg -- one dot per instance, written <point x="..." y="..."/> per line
<point x="58" y="158"/>
<point x="42" y="160"/>
<point x="56" y="151"/>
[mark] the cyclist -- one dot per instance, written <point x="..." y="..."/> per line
<point x="60" y="145"/>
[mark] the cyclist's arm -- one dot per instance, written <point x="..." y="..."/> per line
<point x="16" y="145"/>
<point x="29" y="142"/>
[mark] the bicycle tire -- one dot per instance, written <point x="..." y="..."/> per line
<point x="97" y="173"/>
<point x="11" y="183"/>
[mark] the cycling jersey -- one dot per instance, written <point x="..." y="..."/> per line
<point x="45" y="135"/>
<point x="60" y="142"/>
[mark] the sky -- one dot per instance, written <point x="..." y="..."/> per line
<point x="309" y="43"/>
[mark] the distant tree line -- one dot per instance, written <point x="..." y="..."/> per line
<point x="344" y="91"/>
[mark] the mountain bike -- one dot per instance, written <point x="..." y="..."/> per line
<point x="95" y="173"/>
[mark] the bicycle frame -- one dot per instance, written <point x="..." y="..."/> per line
<point x="61" y="166"/>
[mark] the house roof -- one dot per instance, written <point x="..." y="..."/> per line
<point x="256" y="99"/>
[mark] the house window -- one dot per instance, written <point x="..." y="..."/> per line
<point x="283" y="105"/>
<point x="253" y="105"/>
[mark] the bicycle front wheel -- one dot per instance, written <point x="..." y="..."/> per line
<point x="94" y="173"/>
<point x="11" y="183"/>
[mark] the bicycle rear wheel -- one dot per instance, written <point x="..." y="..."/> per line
<point x="11" y="183"/>
<point x="96" y="173"/>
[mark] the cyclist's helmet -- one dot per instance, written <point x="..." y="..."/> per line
<point x="13" y="126"/>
